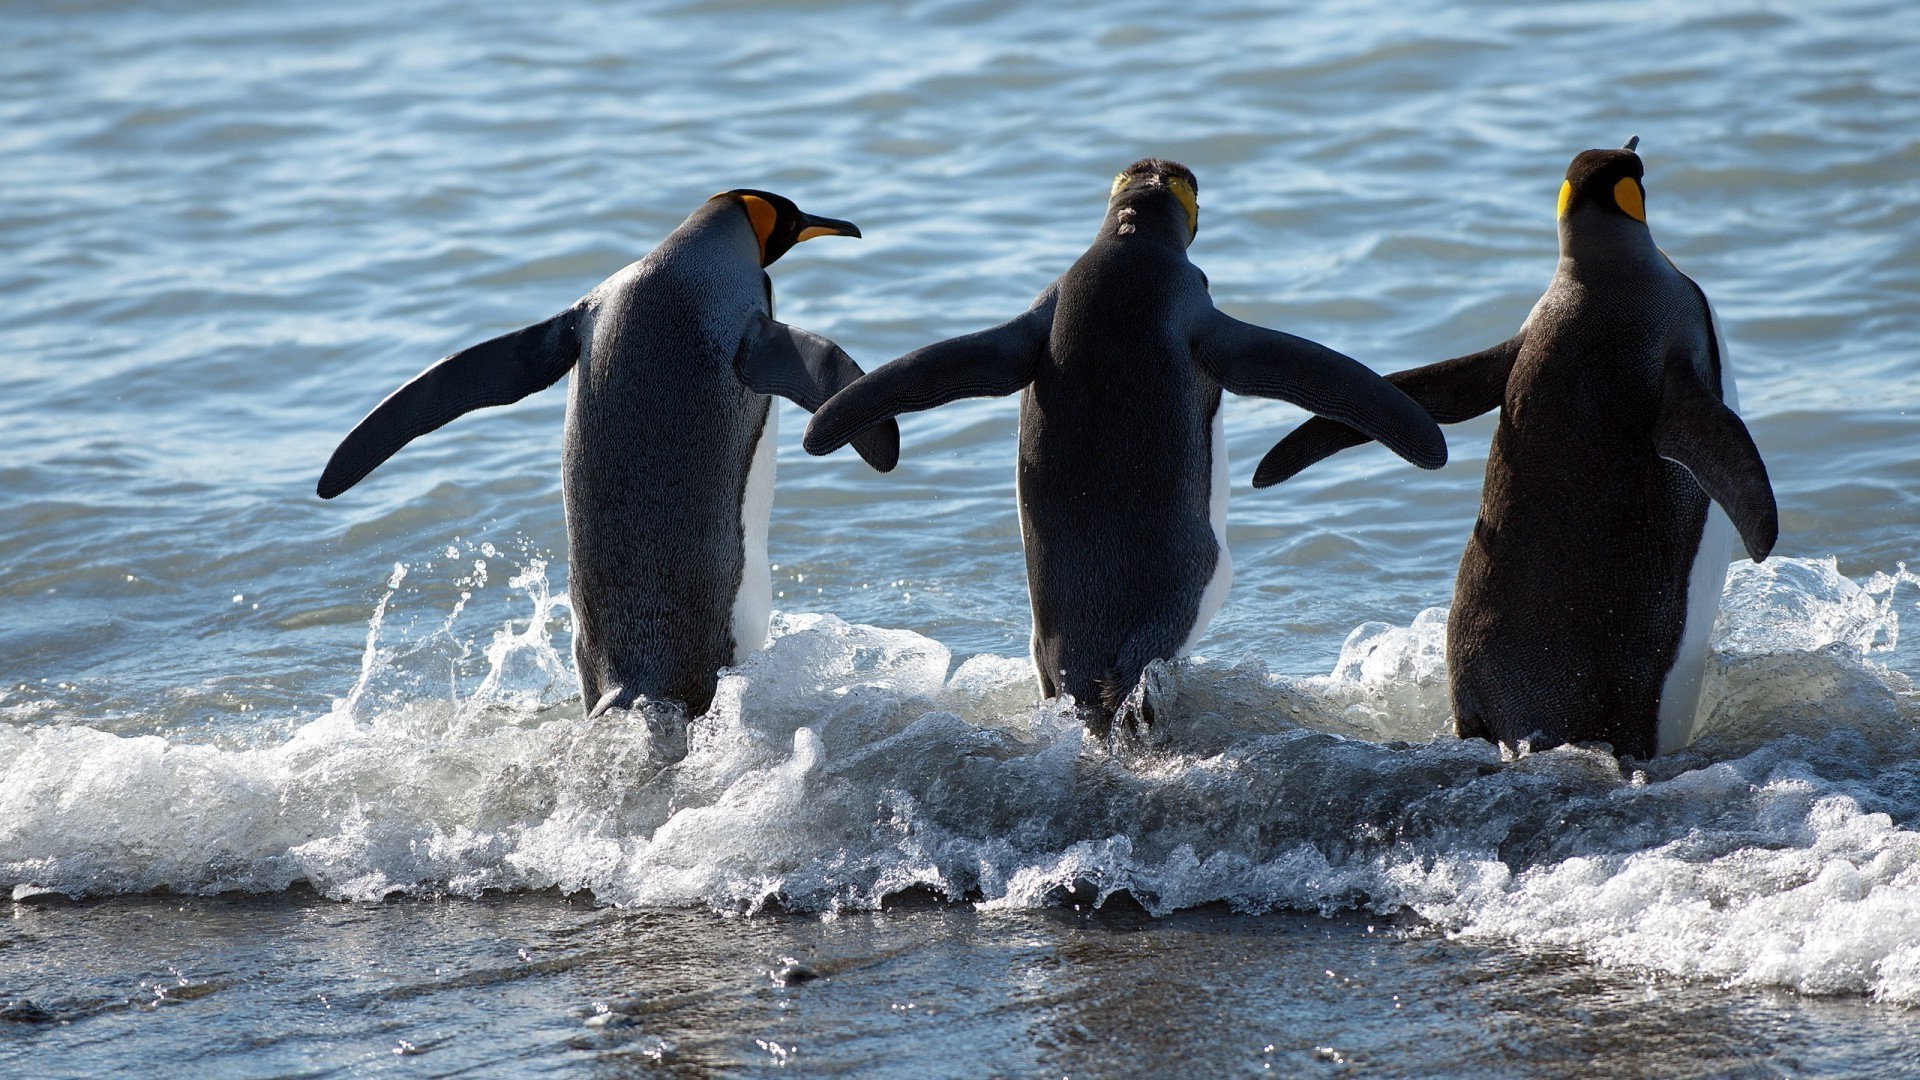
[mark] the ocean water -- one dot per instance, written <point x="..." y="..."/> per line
<point x="303" y="787"/>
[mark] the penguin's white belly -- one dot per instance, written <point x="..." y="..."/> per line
<point x="1033" y="613"/>
<point x="753" y="603"/>
<point x="1215" y="594"/>
<point x="1680" y="694"/>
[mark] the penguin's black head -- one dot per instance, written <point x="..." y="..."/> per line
<point x="1608" y="180"/>
<point x="1154" y="185"/>
<point x="779" y="224"/>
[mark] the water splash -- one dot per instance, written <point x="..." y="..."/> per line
<point x="1806" y="605"/>
<point x="524" y="669"/>
<point x="846" y="763"/>
<point x="1390" y="682"/>
<point x="372" y="659"/>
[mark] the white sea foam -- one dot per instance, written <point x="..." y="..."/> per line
<point x="846" y="763"/>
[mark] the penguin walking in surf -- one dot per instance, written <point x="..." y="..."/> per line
<point x="1618" y="475"/>
<point x="668" y="459"/>
<point x="1122" y="470"/>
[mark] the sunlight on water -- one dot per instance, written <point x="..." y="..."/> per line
<point x="231" y="231"/>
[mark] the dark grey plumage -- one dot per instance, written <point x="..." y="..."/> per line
<point x="668" y="447"/>
<point x="1587" y="590"/>
<point x="1122" y="471"/>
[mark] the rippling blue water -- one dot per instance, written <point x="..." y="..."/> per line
<point x="231" y="229"/>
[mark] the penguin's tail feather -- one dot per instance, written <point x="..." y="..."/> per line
<point x="1134" y="704"/>
<point x="1113" y="689"/>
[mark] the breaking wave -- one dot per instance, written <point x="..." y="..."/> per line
<point x="847" y="763"/>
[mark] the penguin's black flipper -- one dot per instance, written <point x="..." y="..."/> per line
<point x="495" y="372"/>
<point x="1451" y="391"/>
<point x="988" y="363"/>
<point x="1695" y="429"/>
<point x="1248" y="359"/>
<point x="807" y="370"/>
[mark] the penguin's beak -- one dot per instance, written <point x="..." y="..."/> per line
<point x="811" y="227"/>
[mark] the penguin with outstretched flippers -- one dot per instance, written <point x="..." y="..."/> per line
<point x="1617" y="478"/>
<point x="668" y="459"/>
<point x="1122" y="472"/>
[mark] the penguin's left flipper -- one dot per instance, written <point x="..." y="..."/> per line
<point x="498" y="371"/>
<point x="1451" y="391"/>
<point x="807" y="369"/>
<point x="1248" y="359"/>
<point x="994" y="362"/>
<point x="1697" y="430"/>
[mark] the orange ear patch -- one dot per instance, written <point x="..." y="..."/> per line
<point x="763" y="215"/>
<point x="1626" y="195"/>
<point x="1566" y="195"/>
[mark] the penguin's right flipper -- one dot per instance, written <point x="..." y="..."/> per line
<point x="1695" y="429"/>
<point x="1249" y="359"/>
<point x="988" y="363"/>
<point x="499" y="371"/>
<point x="1451" y="391"/>
<point x="807" y="370"/>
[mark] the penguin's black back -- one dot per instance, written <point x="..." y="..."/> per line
<point x="1114" y="471"/>
<point x="659" y="441"/>
<point x="1571" y="595"/>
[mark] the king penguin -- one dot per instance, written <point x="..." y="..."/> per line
<point x="668" y="452"/>
<point x="1618" y="475"/>
<point x="1122" y="466"/>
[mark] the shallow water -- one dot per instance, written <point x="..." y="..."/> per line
<point x="232" y="230"/>
<point x="537" y="984"/>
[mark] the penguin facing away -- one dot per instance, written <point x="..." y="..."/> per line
<point x="1616" y="479"/>
<point x="1122" y="465"/>
<point x="668" y="459"/>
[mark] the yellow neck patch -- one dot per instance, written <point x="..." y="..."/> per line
<point x="1566" y="193"/>
<point x="1626" y="195"/>
<point x="763" y="216"/>
<point x="1190" y="200"/>
<point x="1182" y="190"/>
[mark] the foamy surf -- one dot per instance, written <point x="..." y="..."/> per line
<point x="847" y="763"/>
